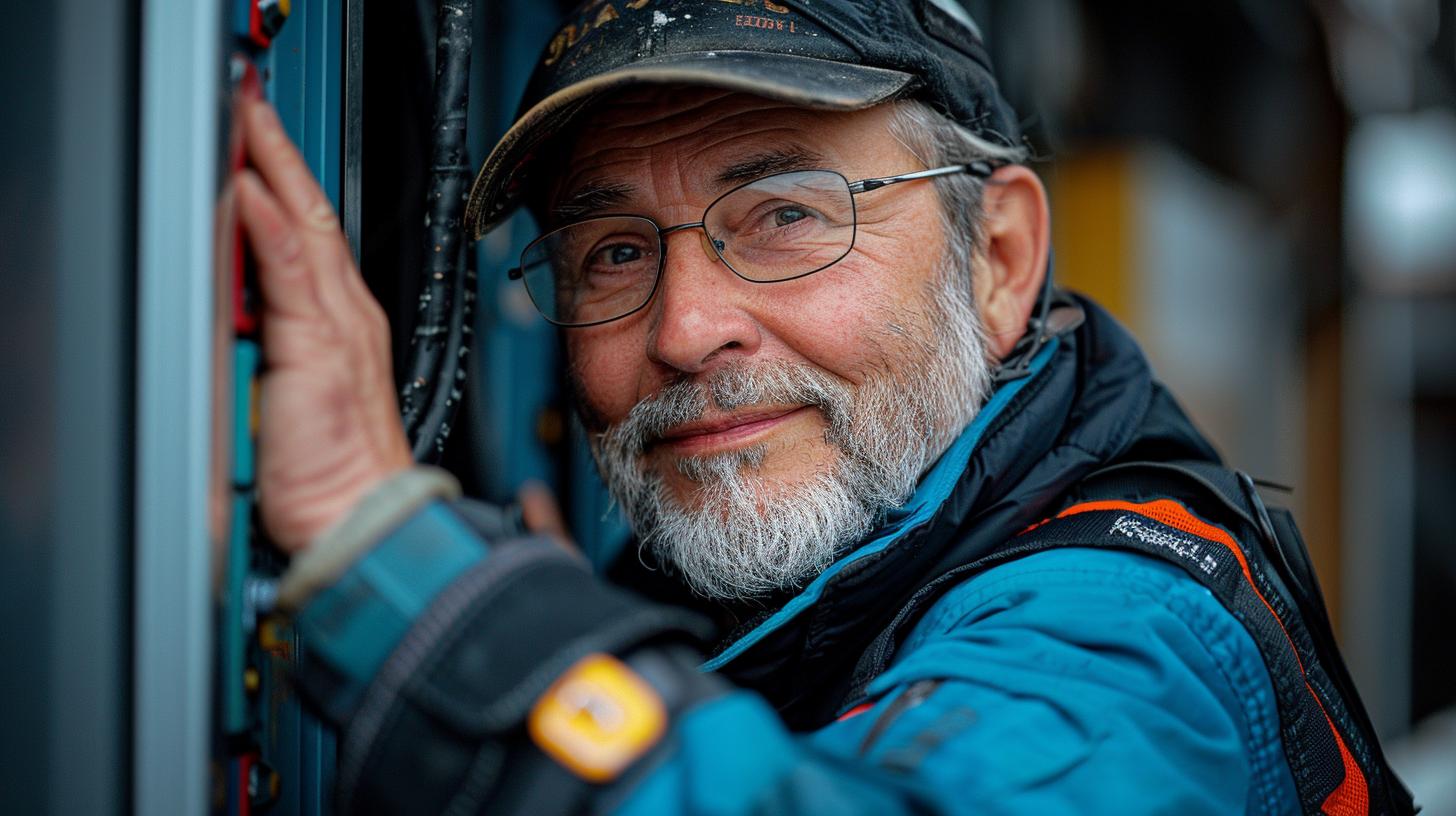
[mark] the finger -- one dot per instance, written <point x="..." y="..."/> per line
<point x="542" y="515"/>
<point x="343" y="298"/>
<point x="284" y="170"/>
<point x="340" y="289"/>
<point x="284" y="272"/>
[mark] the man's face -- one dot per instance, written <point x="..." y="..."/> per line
<point x="773" y="421"/>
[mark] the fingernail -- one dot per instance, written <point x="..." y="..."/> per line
<point x="321" y="217"/>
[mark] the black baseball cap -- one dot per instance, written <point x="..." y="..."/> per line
<point x="826" y="54"/>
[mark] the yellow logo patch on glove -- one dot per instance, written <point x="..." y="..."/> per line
<point x="597" y="718"/>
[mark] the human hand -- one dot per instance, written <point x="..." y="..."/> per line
<point x="542" y="515"/>
<point x="330" y="429"/>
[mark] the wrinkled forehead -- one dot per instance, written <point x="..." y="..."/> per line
<point x="705" y="126"/>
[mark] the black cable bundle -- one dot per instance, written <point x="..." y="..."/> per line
<point x="441" y="341"/>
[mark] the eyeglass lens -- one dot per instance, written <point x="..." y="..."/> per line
<point x="773" y="229"/>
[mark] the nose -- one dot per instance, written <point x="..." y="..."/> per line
<point x="700" y="313"/>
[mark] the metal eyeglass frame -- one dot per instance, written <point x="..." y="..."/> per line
<point x="979" y="169"/>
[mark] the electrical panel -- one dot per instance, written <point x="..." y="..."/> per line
<point x="270" y="752"/>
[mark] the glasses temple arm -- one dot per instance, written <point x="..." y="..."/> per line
<point x="979" y="169"/>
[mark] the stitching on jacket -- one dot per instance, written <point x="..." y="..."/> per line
<point x="483" y="772"/>
<point x="1242" y="679"/>
<point x="1264" y="757"/>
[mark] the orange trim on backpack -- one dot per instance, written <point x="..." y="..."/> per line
<point x="1352" y="796"/>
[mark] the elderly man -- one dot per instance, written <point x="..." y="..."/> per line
<point x="959" y="550"/>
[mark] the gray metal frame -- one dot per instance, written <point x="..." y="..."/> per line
<point x="181" y="86"/>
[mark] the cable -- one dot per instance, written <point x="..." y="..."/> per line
<point x="440" y="343"/>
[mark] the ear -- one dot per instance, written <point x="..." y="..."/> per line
<point x="1011" y="266"/>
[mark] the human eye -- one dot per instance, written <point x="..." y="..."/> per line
<point x="784" y="216"/>
<point x="780" y="216"/>
<point x="617" y="256"/>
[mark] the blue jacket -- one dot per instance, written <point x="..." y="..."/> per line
<point x="1076" y="680"/>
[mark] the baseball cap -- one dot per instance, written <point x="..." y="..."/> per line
<point x="825" y="54"/>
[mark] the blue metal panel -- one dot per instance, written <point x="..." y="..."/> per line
<point x="303" y="76"/>
<point x="306" y="83"/>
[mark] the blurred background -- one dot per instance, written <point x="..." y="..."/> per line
<point x="1263" y="190"/>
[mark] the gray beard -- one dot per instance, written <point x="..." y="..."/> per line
<point x="748" y="536"/>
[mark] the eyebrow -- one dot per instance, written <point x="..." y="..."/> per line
<point x="597" y="197"/>
<point x="592" y="197"/>
<point x="768" y="163"/>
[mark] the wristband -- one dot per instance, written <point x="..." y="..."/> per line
<point x="350" y="628"/>
<point x="384" y="508"/>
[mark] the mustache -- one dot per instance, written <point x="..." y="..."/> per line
<point x="730" y="387"/>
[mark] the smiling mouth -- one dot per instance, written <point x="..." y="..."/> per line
<point x="725" y="433"/>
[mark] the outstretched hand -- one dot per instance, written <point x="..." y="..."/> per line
<point x="330" y="429"/>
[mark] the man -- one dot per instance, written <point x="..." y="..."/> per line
<point x="802" y="281"/>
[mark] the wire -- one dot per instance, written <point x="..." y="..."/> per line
<point x="440" y="343"/>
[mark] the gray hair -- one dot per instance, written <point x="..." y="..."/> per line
<point x="938" y="141"/>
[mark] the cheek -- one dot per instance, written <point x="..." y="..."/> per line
<point x="605" y="369"/>
<point x="845" y="319"/>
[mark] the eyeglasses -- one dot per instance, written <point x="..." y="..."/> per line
<point x="776" y="228"/>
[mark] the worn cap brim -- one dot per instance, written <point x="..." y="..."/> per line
<point x="806" y="81"/>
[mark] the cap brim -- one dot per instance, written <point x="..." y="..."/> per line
<point x="815" y="83"/>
